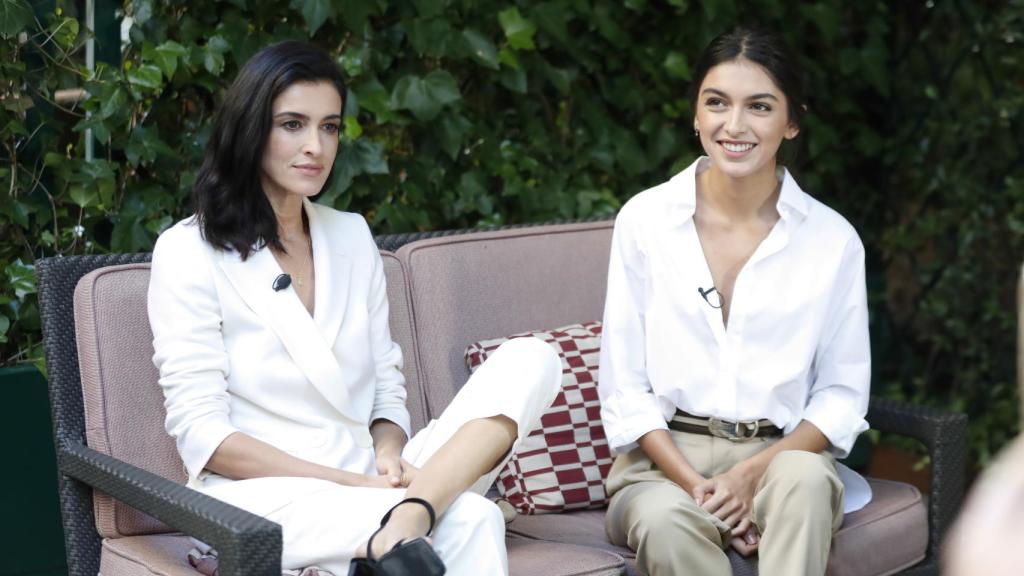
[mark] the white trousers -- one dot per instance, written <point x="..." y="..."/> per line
<point x="322" y="522"/>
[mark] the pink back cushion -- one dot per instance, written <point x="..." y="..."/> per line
<point x="491" y="284"/>
<point x="124" y="410"/>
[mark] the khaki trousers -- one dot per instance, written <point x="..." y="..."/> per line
<point x="798" y="505"/>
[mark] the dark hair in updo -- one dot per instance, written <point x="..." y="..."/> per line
<point x="760" y="47"/>
<point x="231" y="208"/>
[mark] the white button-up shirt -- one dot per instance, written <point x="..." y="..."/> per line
<point x="796" y="346"/>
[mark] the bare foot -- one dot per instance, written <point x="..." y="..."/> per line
<point x="407" y="522"/>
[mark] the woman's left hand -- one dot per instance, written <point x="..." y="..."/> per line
<point x="399" y="472"/>
<point x="728" y="496"/>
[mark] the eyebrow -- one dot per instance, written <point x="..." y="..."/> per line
<point x="762" y="96"/>
<point x="304" y="117"/>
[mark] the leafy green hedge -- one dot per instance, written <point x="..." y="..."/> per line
<point x="466" y="113"/>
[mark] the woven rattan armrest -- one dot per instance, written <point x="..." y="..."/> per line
<point x="944" y="434"/>
<point x="248" y="545"/>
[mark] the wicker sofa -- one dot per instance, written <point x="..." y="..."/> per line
<point x="123" y="502"/>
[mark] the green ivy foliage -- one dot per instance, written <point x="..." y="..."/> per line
<point x="468" y="113"/>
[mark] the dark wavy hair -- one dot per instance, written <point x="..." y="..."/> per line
<point x="760" y="47"/>
<point x="230" y="206"/>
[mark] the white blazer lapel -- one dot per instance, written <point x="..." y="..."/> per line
<point x="288" y="318"/>
<point x="333" y="277"/>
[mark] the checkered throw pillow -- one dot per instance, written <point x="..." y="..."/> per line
<point x="561" y="465"/>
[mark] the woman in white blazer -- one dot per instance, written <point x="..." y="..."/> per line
<point x="283" y="388"/>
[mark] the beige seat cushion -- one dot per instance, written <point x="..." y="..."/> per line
<point x="156" y="555"/>
<point x="164" y="555"/>
<point x="886" y="536"/>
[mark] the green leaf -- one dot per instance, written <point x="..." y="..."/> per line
<point x="21" y="278"/>
<point x="15" y="16"/>
<point x="481" y="48"/>
<point x="15" y="126"/>
<point x="146" y="76"/>
<point x="429" y="8"/>
<point x="508" y="58"/>
<point x="129" y="235"/>
<point x="425" y="97"/>
<point x="374" y="97"/>
<point x="5" y="325"/>
<point x="160" y="224"/>
<point x="677" y="65"/>
<point x="213" y="55"/>
<point x="18" y="104"/>
<point x="114" y="102"/>
<point x="315" y="12"/>
<point x="363" y="156"/>
<point x="518" y="30"/>
<point x="353" y="130"/>
<point x="82" y="196"/>
<point x="432" y="37"/>
<point x="64" y="32"/>
<point x="144" y="146"/>
<point x="166" y="56"/>
<point x="513" y="79"/>
<point x="451" y="133"/>
<point x="142" y="11"/>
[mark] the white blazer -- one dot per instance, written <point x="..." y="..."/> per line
<point x="235" y="355"/>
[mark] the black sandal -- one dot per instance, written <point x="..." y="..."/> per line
<point x="408" y="558"/>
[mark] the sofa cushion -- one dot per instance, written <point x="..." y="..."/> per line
<point x="490" y="284"/>
<point x="158" y="555"/>
<point x="528" y="557"/>
<point x="885" y="537"/>
<point x="165" y="555"/>
<point x="403" y="332"/>
<point x="563" y="463"/>
<point x="124" y="406"/>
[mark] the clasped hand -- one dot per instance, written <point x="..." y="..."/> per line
<point x="730" y="498"/>
<point x="395" y="472"/>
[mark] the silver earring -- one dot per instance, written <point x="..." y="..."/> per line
<point x="696" y="133"/>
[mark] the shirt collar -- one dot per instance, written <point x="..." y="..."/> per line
<point x="682" y="192"/>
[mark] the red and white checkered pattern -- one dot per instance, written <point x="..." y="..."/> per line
<point x="562" y="465"/>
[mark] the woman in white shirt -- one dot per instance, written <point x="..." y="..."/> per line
<point x="735" y="360"/>
<point x="283" y="388"/>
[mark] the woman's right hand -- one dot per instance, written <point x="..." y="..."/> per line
<point x="376" y="481"/>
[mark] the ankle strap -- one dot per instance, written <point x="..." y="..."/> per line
<point x="420" y="501"/>
<point x="384" y="521"/>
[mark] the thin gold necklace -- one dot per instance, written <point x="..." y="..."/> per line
<point x="307" y="260"/>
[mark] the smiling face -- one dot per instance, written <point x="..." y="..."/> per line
<point x="742" y="116"/>
<point x="303" y="141"/>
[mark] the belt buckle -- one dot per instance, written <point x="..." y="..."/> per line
<point x="733" y="431"/>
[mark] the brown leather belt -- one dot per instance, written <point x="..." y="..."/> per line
<point x="735" y="431"/>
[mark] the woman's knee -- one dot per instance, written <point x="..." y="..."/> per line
<point x="532" y="352"/>
<point x="800" y="475"/>
<point x="537" y="362"/>
<point x="473" y="509"/>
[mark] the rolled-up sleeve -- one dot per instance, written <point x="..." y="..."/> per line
<point x="189" y="352"/>
<point x="838" y="399"/>
<point x="389" y="393"/>
<point x="629" y="408"/>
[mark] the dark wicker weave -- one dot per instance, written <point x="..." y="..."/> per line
<point x="248" y="545"/>
<point x="251" y="546"/>
<point x="945" y="435"/>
